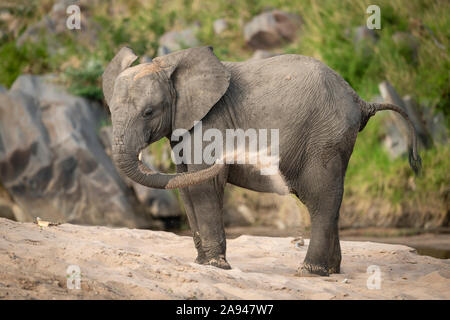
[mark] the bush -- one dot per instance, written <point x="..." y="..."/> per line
<point x="85" y="81"/>
<point x="30" y="58"/>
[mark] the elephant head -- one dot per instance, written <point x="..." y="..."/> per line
<point x="148" y="101"/>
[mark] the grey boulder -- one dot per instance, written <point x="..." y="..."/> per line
<point x="219" y="26"/>
<point x="177" y="40"/>
<point x="363" y="34"/>
<point x="406" y="41"/>
<point x="55" y="23"/>
<point x="262" y="54"/>
<point x="271" y="29"/>
<point x="396" y="130"/>
<point x="52" y="162"/>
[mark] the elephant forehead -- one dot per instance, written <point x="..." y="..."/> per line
<point x="146" y="69"/>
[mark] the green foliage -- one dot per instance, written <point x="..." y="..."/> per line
<point x="30" y="58"/>
<point x="85" y="81"/>
<point x="327" y="34"/>
<point x="371" y="173"/>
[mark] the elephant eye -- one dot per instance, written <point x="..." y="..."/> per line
<point x="147" y="112"/>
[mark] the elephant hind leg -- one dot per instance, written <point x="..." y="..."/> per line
<point x="335" y="257"/>
<point x="321" y="188"/>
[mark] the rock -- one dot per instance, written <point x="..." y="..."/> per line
<point x="394" y="142"/>
<point x="262" y="54"/>
<point x="239" y="215"/>
<point x="160" y="204"/>
<point x="17" y="213"/>
<point x="415" y="114"/>
<point x="270" y="29"/>
<point x="145" y="59"/>
<point x="364" y="40"/>
<point x="6" y="211"/>
<point x="177" y="40"/>
<point x="61" y="5"/>
<point x="435" y="123"/>
<point x="52" y="162"/>
<point x="11" y="24"/>
<point x="105" y="136"/>
<point x="35" y="261"/>
<point x="244" y="207"/>
<point x="397" y="132"/>
<point x="406" y="41"/>
<point x="298" y="242"/>
<point x="163" y="50"/>
<point x="362" y="34"/>
<point x="219" y="26"/>
<point x="55" y="23"/>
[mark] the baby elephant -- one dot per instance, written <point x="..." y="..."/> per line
<point x="313" y="112"/>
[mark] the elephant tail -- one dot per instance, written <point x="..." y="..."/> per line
<point x="370" y="109"/>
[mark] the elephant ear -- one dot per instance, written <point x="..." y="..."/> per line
<point x="199" y="79"/>
<point x="123" y="59"/>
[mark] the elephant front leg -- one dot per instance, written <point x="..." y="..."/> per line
<point x="201" y="256"/>
<point x="189" y="207"/>
<point x="209" y="237"/>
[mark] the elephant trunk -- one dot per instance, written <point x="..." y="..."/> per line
<point x="131" y="165"/>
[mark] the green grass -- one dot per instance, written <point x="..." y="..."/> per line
<point x="85" y="81"/>
<point x="30" y="58"/>
<point x="327" y="34"/>
<point x="371" y="172"/>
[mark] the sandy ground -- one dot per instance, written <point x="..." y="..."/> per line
<point x="433" y="244"/>
<point x="141" y="264"/>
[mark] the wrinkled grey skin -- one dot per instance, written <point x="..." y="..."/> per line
<point x="317" y="113"/>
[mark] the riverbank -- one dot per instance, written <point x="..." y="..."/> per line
<point x="120" y="263"/>
<point x="430" y="243"/>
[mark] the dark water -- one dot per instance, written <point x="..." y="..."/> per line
<point x="435" y="253"/>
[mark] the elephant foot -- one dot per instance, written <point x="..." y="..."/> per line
<point x="218" y="262"/>
<point x="201" y="259"/>
<point x="310" y="270"/>
<point x="334" y="263"/>
<point x="335" y="269"/>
